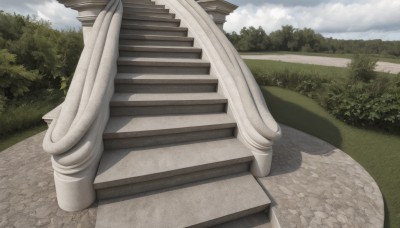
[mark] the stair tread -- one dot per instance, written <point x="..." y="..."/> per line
<point x="142" y="6"/>
<point x="143" y="164"/>
<point x="155" y="37"/>
<point x="136" y="126"/>
<point x="159" y="48"/>
<point x="163" y="79"/>
<point x="153" y="27"/>
<point x="149" y="18"/>
<point x="151" y="99"/>
<point x="202" y="204"/>
<point x="170" y="61"/>
<point x="259" y="220"/>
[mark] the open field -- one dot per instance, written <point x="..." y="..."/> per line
<point x="389" y="59"/>
<point x="322" y="61"/>
<point x="377" y="152"/>
<point x="330" y="72"/>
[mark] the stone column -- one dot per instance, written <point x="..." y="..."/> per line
<point x="88" y="12"/>
<point x="218" y="10"/>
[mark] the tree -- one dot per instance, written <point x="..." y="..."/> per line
<point x="252" y="39"/>
<point x="14" y="79"/>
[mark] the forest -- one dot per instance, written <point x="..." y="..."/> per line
<point x="289" y="38"/>
<point x="36" y="66"/>
<point x="34" y="57"/>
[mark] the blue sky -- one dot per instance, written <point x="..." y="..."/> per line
<point x="346" y="19"/>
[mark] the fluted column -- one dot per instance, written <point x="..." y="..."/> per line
<point x="218" y="10"/>
<point x="88" y="11"/>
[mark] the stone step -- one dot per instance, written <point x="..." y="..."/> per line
<point x="144" y="104"/>
<point x="126" y="78"/>
<point x="139" y="3"/>
<point x="162" y="65"/>
<point x="158" y="9"/>
<point x="162" y="83"/>
<point x="132" y="171"/>
<point x="128" y="14"/>
<point x="154" y="30"/>
<point x="259" y="220"/>
<point x="200" y="204"/>
<point x="155" y="40"/>
<point x="154" y="21"/>
<point x="160" y="52"/>
<point x="134" y="131"/>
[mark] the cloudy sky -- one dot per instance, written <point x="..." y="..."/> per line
<point x="347" y="19"/>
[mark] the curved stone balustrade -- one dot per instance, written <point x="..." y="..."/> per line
<point x="74" y="138"/>
<point x="257" y="128"/>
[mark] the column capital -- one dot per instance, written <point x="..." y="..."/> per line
<point x="218" y="10"/>
<point x="88" y="9"/>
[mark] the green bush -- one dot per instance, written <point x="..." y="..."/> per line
<point x="362" y="68"/>
<point x="309" y="84"/>
<point x="373" y="104"/>
<point x="364" y="104"/>
<point x="27" y="112"/>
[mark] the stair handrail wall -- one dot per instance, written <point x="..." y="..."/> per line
<point x="257" y="127"/>
<point x="74" y="137"/>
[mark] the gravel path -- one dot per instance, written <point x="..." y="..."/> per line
<point x="27" y="193"/>
<point x="313" y="184"/>
<point x="323" y="61"/>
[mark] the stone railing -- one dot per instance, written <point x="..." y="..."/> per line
<point x="257" y="128"/>
<point x="74" y="138"/>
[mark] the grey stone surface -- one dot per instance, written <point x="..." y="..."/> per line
<point x="313" y="184"/>
<point x="200" y="204"/>
<point x="27" y="193"/>
<point x="145" y="164"/>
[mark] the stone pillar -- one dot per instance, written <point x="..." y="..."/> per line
<point x="218" y="10"/>
<point x="88" y="12"/>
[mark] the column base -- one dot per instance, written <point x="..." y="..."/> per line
<point x="75" y="193"/>
<point x="261" y="166"/>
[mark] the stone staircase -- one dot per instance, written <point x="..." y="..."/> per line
<point x="171" y="156"/>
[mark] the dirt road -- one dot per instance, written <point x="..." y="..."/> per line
<point x="324" y="61"/>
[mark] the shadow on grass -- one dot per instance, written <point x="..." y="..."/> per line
<point x="288" y="151"/>
<point x="302" y="119"/>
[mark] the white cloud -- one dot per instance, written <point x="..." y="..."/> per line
<point x="370" y="18"/>
<point x="50" y="10"/>
<point x="60" y="16"/>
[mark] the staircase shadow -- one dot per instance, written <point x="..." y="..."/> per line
<point x="288" y="150"/>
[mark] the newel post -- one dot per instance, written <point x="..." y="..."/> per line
<point x="88" y="12"/>
<point x="218" y="10"/>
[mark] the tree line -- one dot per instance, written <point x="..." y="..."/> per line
<point x="34" y="57"/>
<point x="289" y="38"/>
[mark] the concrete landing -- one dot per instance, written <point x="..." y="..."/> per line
<point x="312" y="184"/>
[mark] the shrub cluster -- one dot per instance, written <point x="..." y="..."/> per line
<point x="27" y="113"/>
<point x="373" y="103"/>
<point x="365" y="104"/>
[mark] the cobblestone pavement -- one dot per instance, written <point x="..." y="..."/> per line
<point x="323" y="61"/>
<point x="313" y="184"/>
<point x="27" y="194"/>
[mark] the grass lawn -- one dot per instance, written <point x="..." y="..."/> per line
<point x="269" y="66"/>
<point x="377" y="152"/>
<point x="390" y="59"/>
<point x="10" y="140"/>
